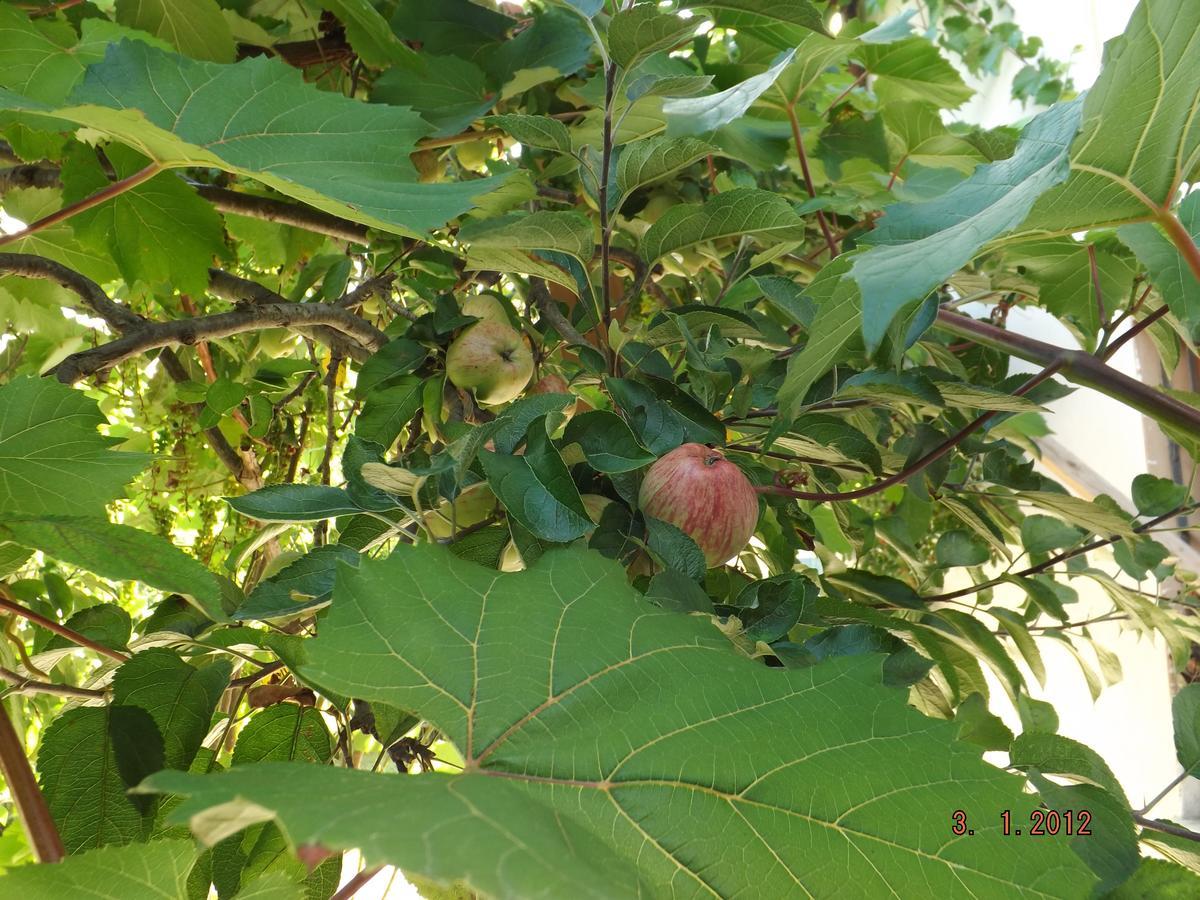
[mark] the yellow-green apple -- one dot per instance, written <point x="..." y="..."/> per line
<point x="705" y="496"/>
<point x="491" y="360"/>
<point x="486" y="308"/>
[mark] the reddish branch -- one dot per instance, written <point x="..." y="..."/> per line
<point x="31" y="805"/>
<point x="8" y="603"/>
<point x="924" y="462"/>
<point x="1060" y="557"/>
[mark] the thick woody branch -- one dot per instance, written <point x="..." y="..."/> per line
<point x="28" y="798"/>
<point x="283" y="213"/>
<point x="551" y="313"/>
<point x="1079" y="367"/>
<point x="189" y="331"/>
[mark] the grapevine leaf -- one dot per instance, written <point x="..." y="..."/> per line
<point x="156" y="871"/>
<point x="589" y="721"/>
<point x="344" y="157"/>
<point x="52" y="459"/>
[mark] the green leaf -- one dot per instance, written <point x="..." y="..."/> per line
<point x="284" y="732"/>
<point x="925" y="140"/>
<point x="52" y="460"/>
<point x="145" y="871"/>
<point x="294" y="503"/>
<point x="1041" y="534"/>
<point x="1176" y="282"/>
<point x="395" y="359"/>
<point x="300" y="587"/>
<point x="645" y="162"/>
<point x="557" y="43"/>
<point x="1110" y="848"/>
<point x="667" y="86"/>
<point x="81" y="773"/>
<point x="917" y="246"/>
<point x="387" y="410"/>
<point x="914" y="69"/>
<point x="1139" y="137"/>
<point x="699" y="115"/>
<point x="637" y="33"/>
<point x="781" y="24"/>
<point x="450" y="93"/>
<point x="331" y="152"/>
<point x="1053" y="754"/>
<point x="1084" y="513"/>
<point x="1154" y="496"/>
<point x="373" y="39"/>
<point x="105" y="623"/>
<point x="534" y="131"/>
<point x="1159" y="879"/>
<point x="600" y="711"/>
<point x="961" y="548"/>
<point x="567" y="232"/>
<point x="34" y="61"/>
<point x="834" y="330"/>
<point x="676" y="549"/>
<point x="179" y="697"/>
<point x="159" y="232"/>
<point x="272" y="885"/>
<point x="194" y="27"/>
<point x="607" y="442"/>
<point x="729" y="214"/>
<point x="536" y="488"/>
<point x="119" y="553"/>
<point x="1062" y="269"/>
<point x="662" y="415"/>
<point x="1185" y="713"/>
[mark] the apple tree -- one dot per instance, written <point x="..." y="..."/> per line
<point x="575" y="448"/>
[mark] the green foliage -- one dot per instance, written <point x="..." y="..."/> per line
<point x="244" y="559"/>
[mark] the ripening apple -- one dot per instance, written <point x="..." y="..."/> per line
<point x="486" y="308"/>
<point x="705" y="496"/>
<point x="491" y="360"/>
<point x="474" y="505"/>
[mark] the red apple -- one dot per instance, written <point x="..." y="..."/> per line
<point x="705" y="496"/>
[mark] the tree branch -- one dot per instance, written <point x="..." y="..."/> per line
<point x="23" y="685"/>
<point x="283" y="213"/>
<point x="31" y="805"/>
<point x="188" y="331"/>
<point x="120" y="319"/>
<point x="1081" y="368"/>
<point x="551" y="313"/>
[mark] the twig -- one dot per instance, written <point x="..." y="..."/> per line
<point x="281" y="212"/>
<point x="1061" y="557"/>
<point x="1175" y="782"/>
<point x="31" y="805"/>
<point x="351" y="887"/>
<point x="23" y="685"/>
<point x="928" y="459"/>
<point x="808" y="179"/>
<point x="7" y="602"/>
<point x="105" y="193"/>
<point x="1166" y="828"/>
<point x="610" y="77"/>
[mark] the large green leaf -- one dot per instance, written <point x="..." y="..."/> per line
<point x="913" y="69"/>
<point x="88" y="759"/>
<point x="1141" y="126"/>
<point x="117" y="552"/>
<point x="601" y="734"/>
<point x="634" y="34"/>
<point x="728" y="214"/>
<point x="258" y="118"/>
<point x="450" y="93"/>
<point x="648" y="161"/>
<point x="34" y="61"/>
<point x="145" y="871"/>
<point x="160" y="232"/>
<point x="179" y="697"/>
<point x="52" y="459"/>
<point x="194" y="27"/>
<point x="918" y="245"/>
